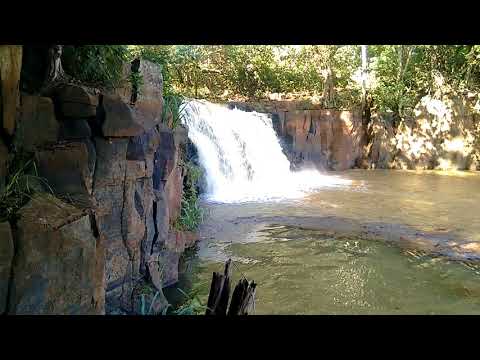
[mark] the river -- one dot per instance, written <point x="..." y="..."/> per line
<point x="361" y="242"/>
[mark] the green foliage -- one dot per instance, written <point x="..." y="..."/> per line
<point x="100" y="65"/>
<point x="191" y="214"/>
<point x="159" y="54"/>
<point x="22" y="182"/>
<point x="192" y="304"/>
<point x="402" y="73"/>
<point x="150" y="311"/>
<point x="174" y="106"/>
<point x="217" y="72"/>
<point x="136" y="79"/>
<point x="405" y="73"/>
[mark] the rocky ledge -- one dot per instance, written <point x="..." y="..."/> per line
<point x="115" y="170"/>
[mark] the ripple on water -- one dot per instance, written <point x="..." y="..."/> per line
<point x="320" y="274"/>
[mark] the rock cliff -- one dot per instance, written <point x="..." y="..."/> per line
<point x="117" y="180"/>
<point x="443" y="134"/>
<point x="326" y="138"/>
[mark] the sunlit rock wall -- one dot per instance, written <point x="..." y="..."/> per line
<point x="443" y="134"/>
<point x="328" y="139"/>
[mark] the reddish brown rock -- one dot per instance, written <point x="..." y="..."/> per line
<point x="124" y="216"/>
<point x="143" y="148"/>
<point x="120" y="119"/>
<point x="442" y="135"/>
<point x="75" y="129"/>
<point x="6" y="256"/>
<point x="67" y="171"/>
<point x="180" y="135"/>
<point x="37" y="125"/>
<point x="55" y="262"/>
<point x="75" y="101"/>
<point x="174" y="192"/>
<point x="175" y="242"/>
<point x="163" y="268"/>
<point x="131" y="111"/>
<point x="108" y="190"/>
<point x="190" y="237"/>
<point x="180" y="240"/>
<point x="328" y="138"/>
<point x="165" y="159"/>
<point x="382" y="147"/>
<point x="147" y="100"/>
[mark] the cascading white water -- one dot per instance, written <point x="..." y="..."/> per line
<point x="242" y="156"/>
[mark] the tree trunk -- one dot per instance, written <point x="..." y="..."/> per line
<point x="367" y="105"/>
<point x="329" y="89"/>
<point x="364" y="70"/>
<point x="219" y="292"/>
<point x="243" y="298"/>
<point x="55" y="72"/>
<point x="10" y="68"/>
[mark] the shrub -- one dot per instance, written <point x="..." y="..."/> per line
<point x="22" y="182"/>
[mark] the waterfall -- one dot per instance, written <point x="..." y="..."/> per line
<point x="242" y="156"/>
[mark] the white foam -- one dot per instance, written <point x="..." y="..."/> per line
<point x="243" y="159"/>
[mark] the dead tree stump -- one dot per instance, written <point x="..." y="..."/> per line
<point x="243" y="298"/>
<point x="219" y="292"/>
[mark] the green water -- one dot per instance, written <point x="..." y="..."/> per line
<point x="300" y="270"/>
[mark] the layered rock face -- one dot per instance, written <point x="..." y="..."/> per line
<point x="330" y="139"/>
<point x="54" y="266"/>
<point x="325" y="138"/>
<point x="116" y="174"/>
<point x="443" y="135"/>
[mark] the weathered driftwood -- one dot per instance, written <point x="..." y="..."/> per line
<point x="243" y="298"/>
<point x="219" y="292"/>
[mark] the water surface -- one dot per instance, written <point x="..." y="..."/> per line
<point x="341" y="249"/>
